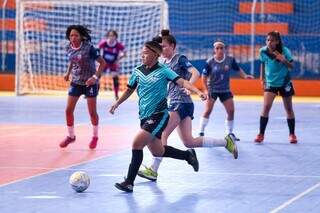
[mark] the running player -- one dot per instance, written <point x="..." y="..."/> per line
<point x="276" y="63"/>
<point x="112" y="51"/>
<point x="151" y="79"/>
<point x="85" y="79"/>
<point x="181" y="107"/>
<point x="216" y="81"/>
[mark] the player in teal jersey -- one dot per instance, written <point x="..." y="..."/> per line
<point x="151" y="80"/>
<point x="181" y="108"/>
<point x="276" y="63"/>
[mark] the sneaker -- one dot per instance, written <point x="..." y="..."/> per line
<point x="192" y="159"/>
<point x="93" y="142"/>
<point x="293" y="139"/>
<point x="148" y="173"/>
<point x="233" y="135"/>
<point x="259" y="138"/>
<point x="124" y="186"/>
<point x="231" y="145"/>
<point x="67" y="141"/>
<point x="201" y="134"/>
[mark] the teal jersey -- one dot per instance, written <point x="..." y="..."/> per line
<point x="276" y="73"/>
<point x="152" y="88"/>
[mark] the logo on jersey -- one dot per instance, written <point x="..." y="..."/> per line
<point x="226" y="68"/>
<point x="150" y="121"/>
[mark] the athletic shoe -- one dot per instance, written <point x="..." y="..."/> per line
<point x="231" y="145"/>
<point x="67" y="141"/>
<point x="148" y="173"/>
<point x="259" y="138"/>
<point x="236" y="139"/>
<point x="293" y="139"/>
<point x="201" y="134"/>
<point x="124" y="186"/>
<point x="192" y="159"/>
<point x="93" y="142"/>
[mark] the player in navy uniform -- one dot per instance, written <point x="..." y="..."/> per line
<point x="112" y="51"/>
<point x="85" y="79"/>
<point x="151" y="80"/>
<point x="216" y="81"/>
<point x="276" y="63"/>
<point x="181" y="107"/>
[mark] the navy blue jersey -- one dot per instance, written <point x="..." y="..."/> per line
<point x="82" y="61"/>
<point x="218" y="73"/>
<point x="180" y="65"/>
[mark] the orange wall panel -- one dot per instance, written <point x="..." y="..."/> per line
<point x="260" y="28"/>
<point x="267" y="7"/>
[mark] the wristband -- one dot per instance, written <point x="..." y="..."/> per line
<point x="95" y="77"/>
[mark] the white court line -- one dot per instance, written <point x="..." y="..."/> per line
<point x="284" y="205"/>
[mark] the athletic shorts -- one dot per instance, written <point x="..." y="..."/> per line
<point x="223" y="96"/>
<point x="111" y="68"/>
<point x="77" y="90"/>
<point x="183" y="109"/>
<point x="285" y="91"/>
<point x="155" y="124"/>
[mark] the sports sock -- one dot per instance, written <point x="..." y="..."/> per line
<point x="156" y="163"/>
<point x="136" y="160"/>
<point x="71" y="131"/>
<point x="203" y="123"/>
<point x="263" y="124"/>
<point x="172" y="152"/>
<point x="212" y="142"/>
<point x="291" y="124"/>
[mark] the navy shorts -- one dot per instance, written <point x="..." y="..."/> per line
<point x="184" y="109"/>
<point x="223" y="96"/>
<point x="285" y="91"/>
<point x="77" y="90"/>
<point x="155" y="124"/>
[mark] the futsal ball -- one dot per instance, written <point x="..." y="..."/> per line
<point x="79" y="181"/>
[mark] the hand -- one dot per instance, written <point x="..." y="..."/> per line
<point x="66" y="77"/>
<point x="186" y="91"/>
<point x="203" y="96"/>
<point x="113" y="107"/>
<point x="91" y="81"/>
<point x="208" y="94"/>
<point x="279" y="56"/>
<point x="249" y="77"/>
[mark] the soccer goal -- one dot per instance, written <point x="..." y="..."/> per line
<point x="40" y="35"/>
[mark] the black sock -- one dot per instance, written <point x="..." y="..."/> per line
<point x="291" y="123"/>
<point x="136" y="160"/>
<point x="172" y="152"/>
<point x="263" y="124"/>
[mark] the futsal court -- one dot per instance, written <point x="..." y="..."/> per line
<point x="275" y="176"/>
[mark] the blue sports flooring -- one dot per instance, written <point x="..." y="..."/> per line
<point x="275" y="176"/>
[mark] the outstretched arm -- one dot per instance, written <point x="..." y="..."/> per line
<point x="244" y="75"/>
<point x="186" y="84"/>
<point x="123" y="97"/>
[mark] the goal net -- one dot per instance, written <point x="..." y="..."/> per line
<point x="41" y="59"/>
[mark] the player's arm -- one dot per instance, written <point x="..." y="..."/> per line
<point x="244" y="75"/>
<point x="67" y="74"/>
<point x="186" y="84"/>
<point x="283" y="60"/>
<point x="262" y="73"/>
<point x="195" y="74"/>
<point x="123" y="97"/>
<point x="95" y="77"/>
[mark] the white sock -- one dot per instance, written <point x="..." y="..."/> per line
<point x="71" y="131"/>
<point x="229" y="126"/>
<point x="203" y="123"/>
<point x="212" y="142"/>
<point x="156" y="163"/>
<point x="95" y="130"/>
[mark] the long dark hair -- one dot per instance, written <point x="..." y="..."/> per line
<point x="276" y="35"/>
<point x="83" y="31"/>
<point x="113" y="32"/>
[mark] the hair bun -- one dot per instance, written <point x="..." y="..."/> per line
<point x="157" y="39"/>
<point x="165" y="32"/>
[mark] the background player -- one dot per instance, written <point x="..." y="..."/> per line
<point x="276" y="63"/>
<point x="112" y="51"/>
<point x="216" y="82"/>
<point x="85" y="79"/>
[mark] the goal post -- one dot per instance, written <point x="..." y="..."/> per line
<point x="41" y="58"/>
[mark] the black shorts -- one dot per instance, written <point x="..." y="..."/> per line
<point x="223" y="96"/>
<point x="285" y="91"/>
<point x="77" y="90"/>
<point x="155" y="124"/>
<point x="184" y="109"/>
